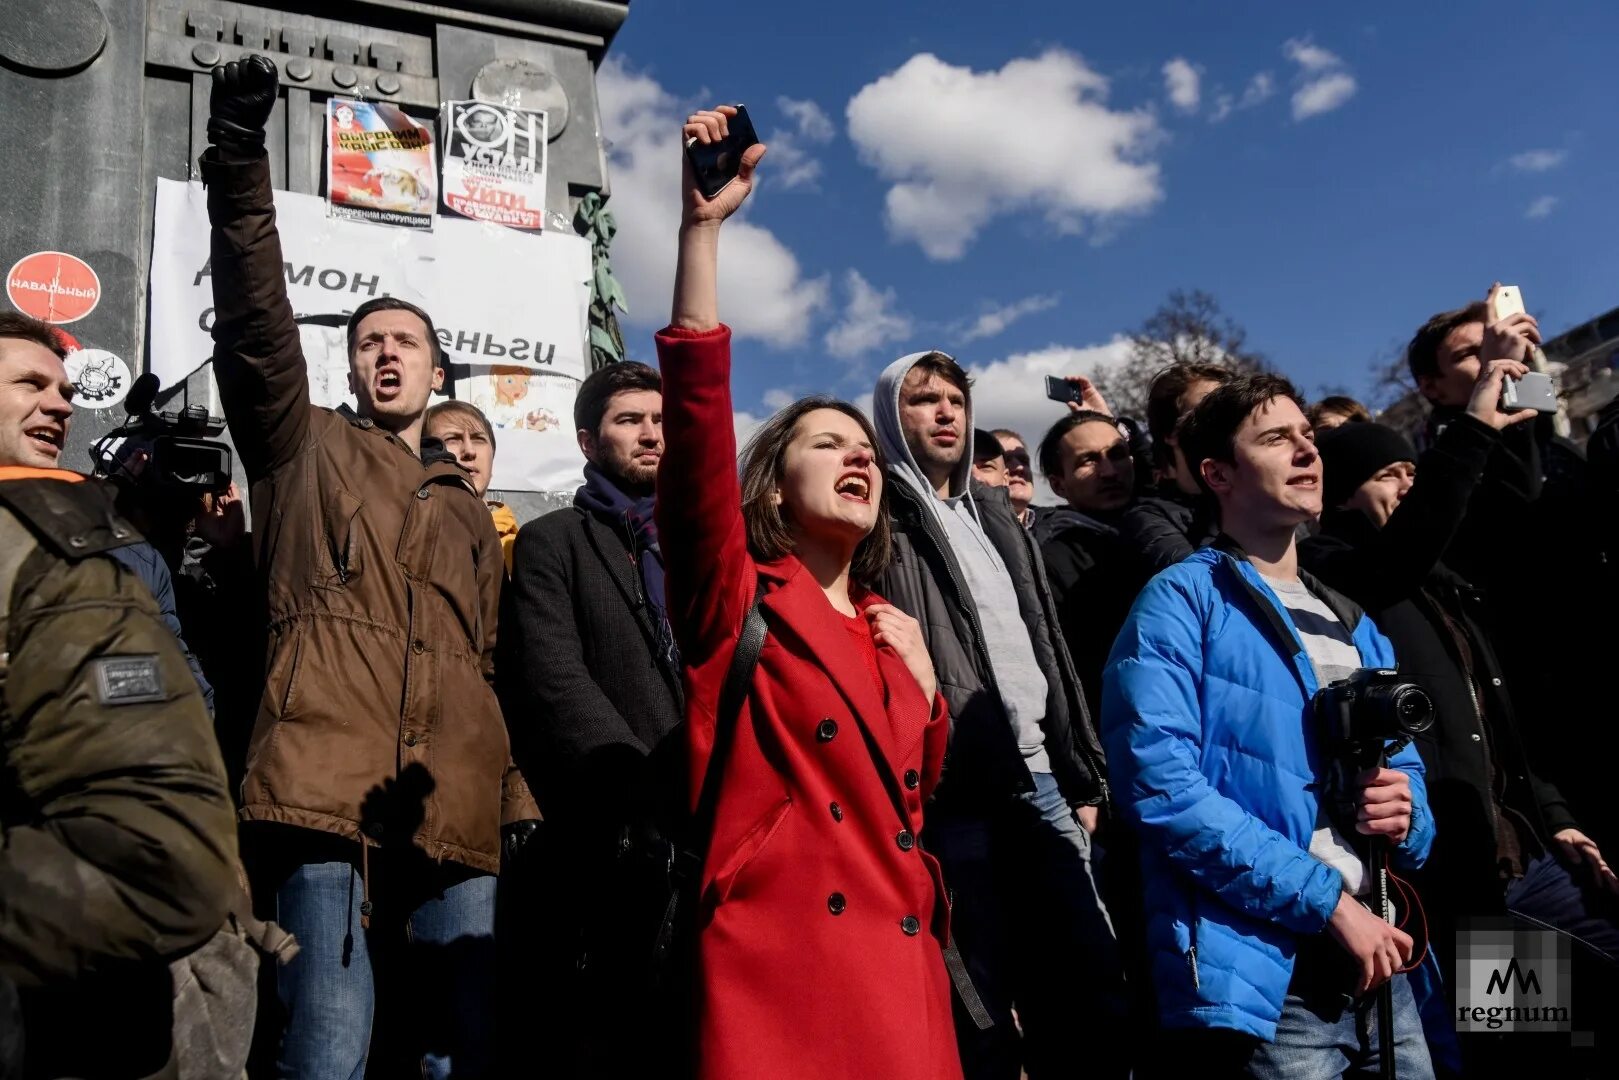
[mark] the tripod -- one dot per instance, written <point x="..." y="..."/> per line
<point x="1377" y="863"/>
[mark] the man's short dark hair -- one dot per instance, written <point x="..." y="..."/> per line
<point x="1210" y="432"/>
<point x="1422" y="355"/>
<point x="1164" y="403"/>
<point x="590" y="405"/>
<point x="1051" y="445"/>
<point x="16" y="325"/>
<point x="464" y="409"/>
<point x="944" y="365"/>
<point x="393" y="303"/>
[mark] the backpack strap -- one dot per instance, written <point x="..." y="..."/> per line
<point x="738" y="678"/>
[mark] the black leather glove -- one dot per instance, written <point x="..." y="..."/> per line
<point x="244" y="93"/>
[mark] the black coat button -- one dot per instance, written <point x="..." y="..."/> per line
<point x="410" y="738"/>
<point x="835" y="903"/>
<point x="826" y="730"/>
<point x="905" y="840"/>
<point x="911" y="925"/>
<point x="913" y="779"/>
<point x="837" y="812"/>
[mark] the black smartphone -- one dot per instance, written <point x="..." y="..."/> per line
<point x="716" y="164"/>
<point x="1058" y="389"/>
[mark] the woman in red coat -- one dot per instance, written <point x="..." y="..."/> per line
<point x="822" y="919"/>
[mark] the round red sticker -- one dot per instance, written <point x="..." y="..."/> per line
<point x="53" y="286"/>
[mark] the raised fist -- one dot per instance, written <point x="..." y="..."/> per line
<point x="244" y="93"/>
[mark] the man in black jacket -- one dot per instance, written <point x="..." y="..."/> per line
<point x="1535" y="500"/>
<point x="1095" y="573"/>
<point x="1506" y="839"/>
<point x="1170" y="525"/>
<point x="592" y="689"/>
<point x="1023" y="777"/>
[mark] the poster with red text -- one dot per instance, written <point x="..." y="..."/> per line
<point x="494" y="163"/>
<point x="379" y="165"/>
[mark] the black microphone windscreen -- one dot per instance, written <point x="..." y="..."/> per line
<point x="142" y="394"/>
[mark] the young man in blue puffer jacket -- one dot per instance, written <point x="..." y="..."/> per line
<point x="1263" y="959"/>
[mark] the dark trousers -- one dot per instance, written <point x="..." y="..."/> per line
<point x="1036" y="938"/>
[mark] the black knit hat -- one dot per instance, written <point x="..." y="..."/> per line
<point x="1353" y="453"/>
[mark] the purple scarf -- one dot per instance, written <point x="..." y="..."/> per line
<point x="601" y="496"/>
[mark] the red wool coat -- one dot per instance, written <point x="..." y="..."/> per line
<point x="822" y="917"/>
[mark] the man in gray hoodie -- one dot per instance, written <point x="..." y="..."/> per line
<point x="1024" y="777"/>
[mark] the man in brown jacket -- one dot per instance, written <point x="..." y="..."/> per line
<point x="375" y="772"/>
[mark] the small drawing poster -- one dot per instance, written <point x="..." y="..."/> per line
<point x="494" y="163"/>
<point x="379" y="165"/>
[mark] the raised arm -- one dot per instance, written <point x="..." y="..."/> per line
<point x="257" y="357"/>
<point x="1394" y="563"/>
<point x="699" y="509"/>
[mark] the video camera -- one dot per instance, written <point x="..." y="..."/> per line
<point x="180" y="457"/>
<point x="1371" y="713"/>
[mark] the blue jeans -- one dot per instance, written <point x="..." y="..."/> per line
<point x="431" y="942"/>
<point x="1318" y="1042"/>
<point x="1036" y="937"/>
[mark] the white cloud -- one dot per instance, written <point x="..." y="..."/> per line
<point x="744" y="424"/>
<point x="1325" y="82"/>
<point x="1183" y="84"/>
<point x="1258" y="90"/>
<point x="961" y="147"/>
<point x="1323" y="95"/>
<point x="763" y="293"/>
<point x="997" y="319"/>
<point x="1310" y="56"/>
<point x="869" y="320"/>
<point x="791" y="165"/>
<point x="1534" y="161"/>
<point x="778" y="398"/>
<point x="811" y="120"/>
<point x="1541" y="207"/>
<point x="1011" y="393"/>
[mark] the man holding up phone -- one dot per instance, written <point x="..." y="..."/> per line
<point x="1533" y="504"/>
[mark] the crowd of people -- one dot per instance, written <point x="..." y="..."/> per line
<point x="843" y="758"/>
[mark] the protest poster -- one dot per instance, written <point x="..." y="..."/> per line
<point x="511" y="309"/>
<point x="379" y="165"/>
<point x="494" y="163"/>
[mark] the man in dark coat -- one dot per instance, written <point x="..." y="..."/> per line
<point x="591" y="684"/>
<point x="1095" y="573"/>
<point x="1178" y="518"/>
<point x="1024" y="777"/>
<point x="1506" y="840"/>
<point x="1535" y="499"/>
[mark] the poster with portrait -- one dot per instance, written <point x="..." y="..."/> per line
<point x="494" y="163"/>
<point x="379" y="165"/>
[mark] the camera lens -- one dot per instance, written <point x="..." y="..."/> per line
<point x="1413" y="709"/>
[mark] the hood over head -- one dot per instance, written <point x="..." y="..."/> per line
<point x="891" y="436"/>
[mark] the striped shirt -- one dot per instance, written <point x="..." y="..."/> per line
<point x="1333" y="655"/>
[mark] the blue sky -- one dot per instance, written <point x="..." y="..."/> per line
<point x="1332" y="174"/>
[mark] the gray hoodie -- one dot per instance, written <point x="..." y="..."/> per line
<point x="1018" y="678"/>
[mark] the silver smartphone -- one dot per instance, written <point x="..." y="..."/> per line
<point x="1535" y="390"/>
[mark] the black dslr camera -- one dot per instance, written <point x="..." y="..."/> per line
<point x="1371" y="713"/>
<point x="177" y="454"/>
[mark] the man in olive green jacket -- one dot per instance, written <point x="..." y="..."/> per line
<point x="117" y="839"/>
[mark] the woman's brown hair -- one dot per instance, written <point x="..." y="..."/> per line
<point x="769" y="535"/>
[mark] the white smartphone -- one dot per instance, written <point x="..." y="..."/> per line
<point x="1535" y="390"/>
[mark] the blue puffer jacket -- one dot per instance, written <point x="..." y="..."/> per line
<point x="1214" y="759"/>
